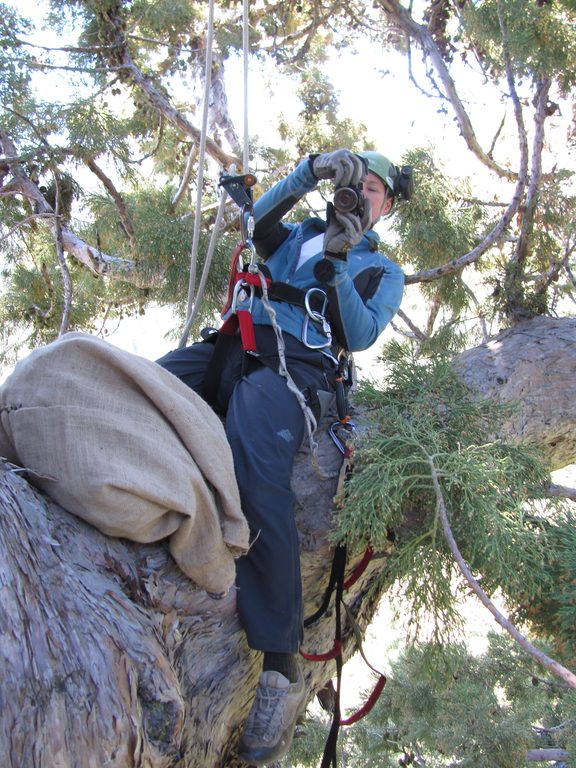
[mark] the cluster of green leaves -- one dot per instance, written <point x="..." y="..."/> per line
<point x="469" y="710"/>
<point x="440" y="223"/>
<point x="32" y="298"/>
<point x="424" y="421"/>
<point x="32" y="292"/>
<point x="319" y="124"/>
<point x="540" y="37"/>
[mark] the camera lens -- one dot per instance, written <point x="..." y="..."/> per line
<point x="345" y="199"/>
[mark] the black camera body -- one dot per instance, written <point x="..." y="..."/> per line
<point x="349" y="200"/>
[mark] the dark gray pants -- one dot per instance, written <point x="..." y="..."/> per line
<point x="265" y="427"/>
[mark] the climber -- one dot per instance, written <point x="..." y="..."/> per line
<point x="331" y="290"/>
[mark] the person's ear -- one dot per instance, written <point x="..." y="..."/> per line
<point x="387" y="205"/>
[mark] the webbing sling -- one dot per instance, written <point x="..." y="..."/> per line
<point x="337" y="583"/>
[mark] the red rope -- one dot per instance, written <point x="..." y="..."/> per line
<point x="332" y="654"/>
<point x="368" y="704"/>
<point x="360" y="568"/>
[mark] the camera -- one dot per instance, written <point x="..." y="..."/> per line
<point x="349" y="200"/>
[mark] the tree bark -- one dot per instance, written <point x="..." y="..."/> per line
<point x="112" y="657"/>
<point x="531" y="365"/>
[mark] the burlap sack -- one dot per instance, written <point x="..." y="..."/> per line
<point x="125" y="445"/>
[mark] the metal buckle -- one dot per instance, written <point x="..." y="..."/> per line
<point x="316" y="317"/>
<point x="242" y="286"/>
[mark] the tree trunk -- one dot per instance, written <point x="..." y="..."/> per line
<point x="532" y="365"/>
<point x="112" y="657"/>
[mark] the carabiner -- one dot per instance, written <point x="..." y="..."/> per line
<point x="336" y="439"/>
<point x="246" y="224"/>
<point x="316" y="317"/>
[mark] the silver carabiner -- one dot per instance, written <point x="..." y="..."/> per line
<point x="246" y="224"/>
<point x="316" y="317"/>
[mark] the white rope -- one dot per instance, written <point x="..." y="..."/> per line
<point x="246" y="52"/>
<point x="207" y="264"/>
<point x="200" y="179"/>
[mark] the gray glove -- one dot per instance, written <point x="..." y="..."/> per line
<point x="344" y="230"/>
<point x="346" y="168"/>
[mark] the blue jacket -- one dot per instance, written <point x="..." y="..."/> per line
<point x="365" y="291"/>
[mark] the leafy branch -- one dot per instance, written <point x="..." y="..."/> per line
<point x="542" y="658"/>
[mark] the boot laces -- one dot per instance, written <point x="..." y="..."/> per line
<point x="266" y="715"/>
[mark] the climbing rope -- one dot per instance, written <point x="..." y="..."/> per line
<point x="195" y="296"/>
<point x="283" y="371"/>
<point x="193" y="299"/>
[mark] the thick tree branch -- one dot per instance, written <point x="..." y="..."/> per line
<point x="531" y="204"/>
<point x="429" y="275"/>
<point x="118" y="201"/>
<point x="522" y="178"/>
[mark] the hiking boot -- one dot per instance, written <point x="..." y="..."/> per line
<point x="270" y="725"/>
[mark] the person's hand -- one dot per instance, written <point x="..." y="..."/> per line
<point x="345" y="230"/>
<point x="346" y="168"/>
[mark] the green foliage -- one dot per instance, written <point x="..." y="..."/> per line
<point x="14" y="61"/>
<point x="553" y="614"/>
<point x="164" y="240"/>
<point x="541" y="40"/>
<point x="319" y="127"/>
<point x="33" y="298"/>
<point x="424" y="421"/>
<point x="473" y="711"/>
<point x="440" y="223"/>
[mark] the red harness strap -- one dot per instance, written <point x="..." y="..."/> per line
<point x="368" y="704"/>
<point x="335" y="651"/>
<point x="360" y="568"/>
<point x="240" y="318"/>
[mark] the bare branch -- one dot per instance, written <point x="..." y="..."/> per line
<point x="550" y="664"/>
<point x="523" y="243"/>
<point x="407" y="23"/>
<point x="123" y="60"/>
<point x="190" y="161"/>
<point x="118" y="201"/>
<point x="66" y="279"/>
<point x="429" y="275"/>
<point x="413" y="327"/>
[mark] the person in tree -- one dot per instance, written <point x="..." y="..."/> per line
<point x="331" y="291"/>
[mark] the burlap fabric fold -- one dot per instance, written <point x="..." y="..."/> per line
<point x="125" y="445"/>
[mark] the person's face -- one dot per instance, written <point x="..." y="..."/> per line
<point x="377" y="194"/>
